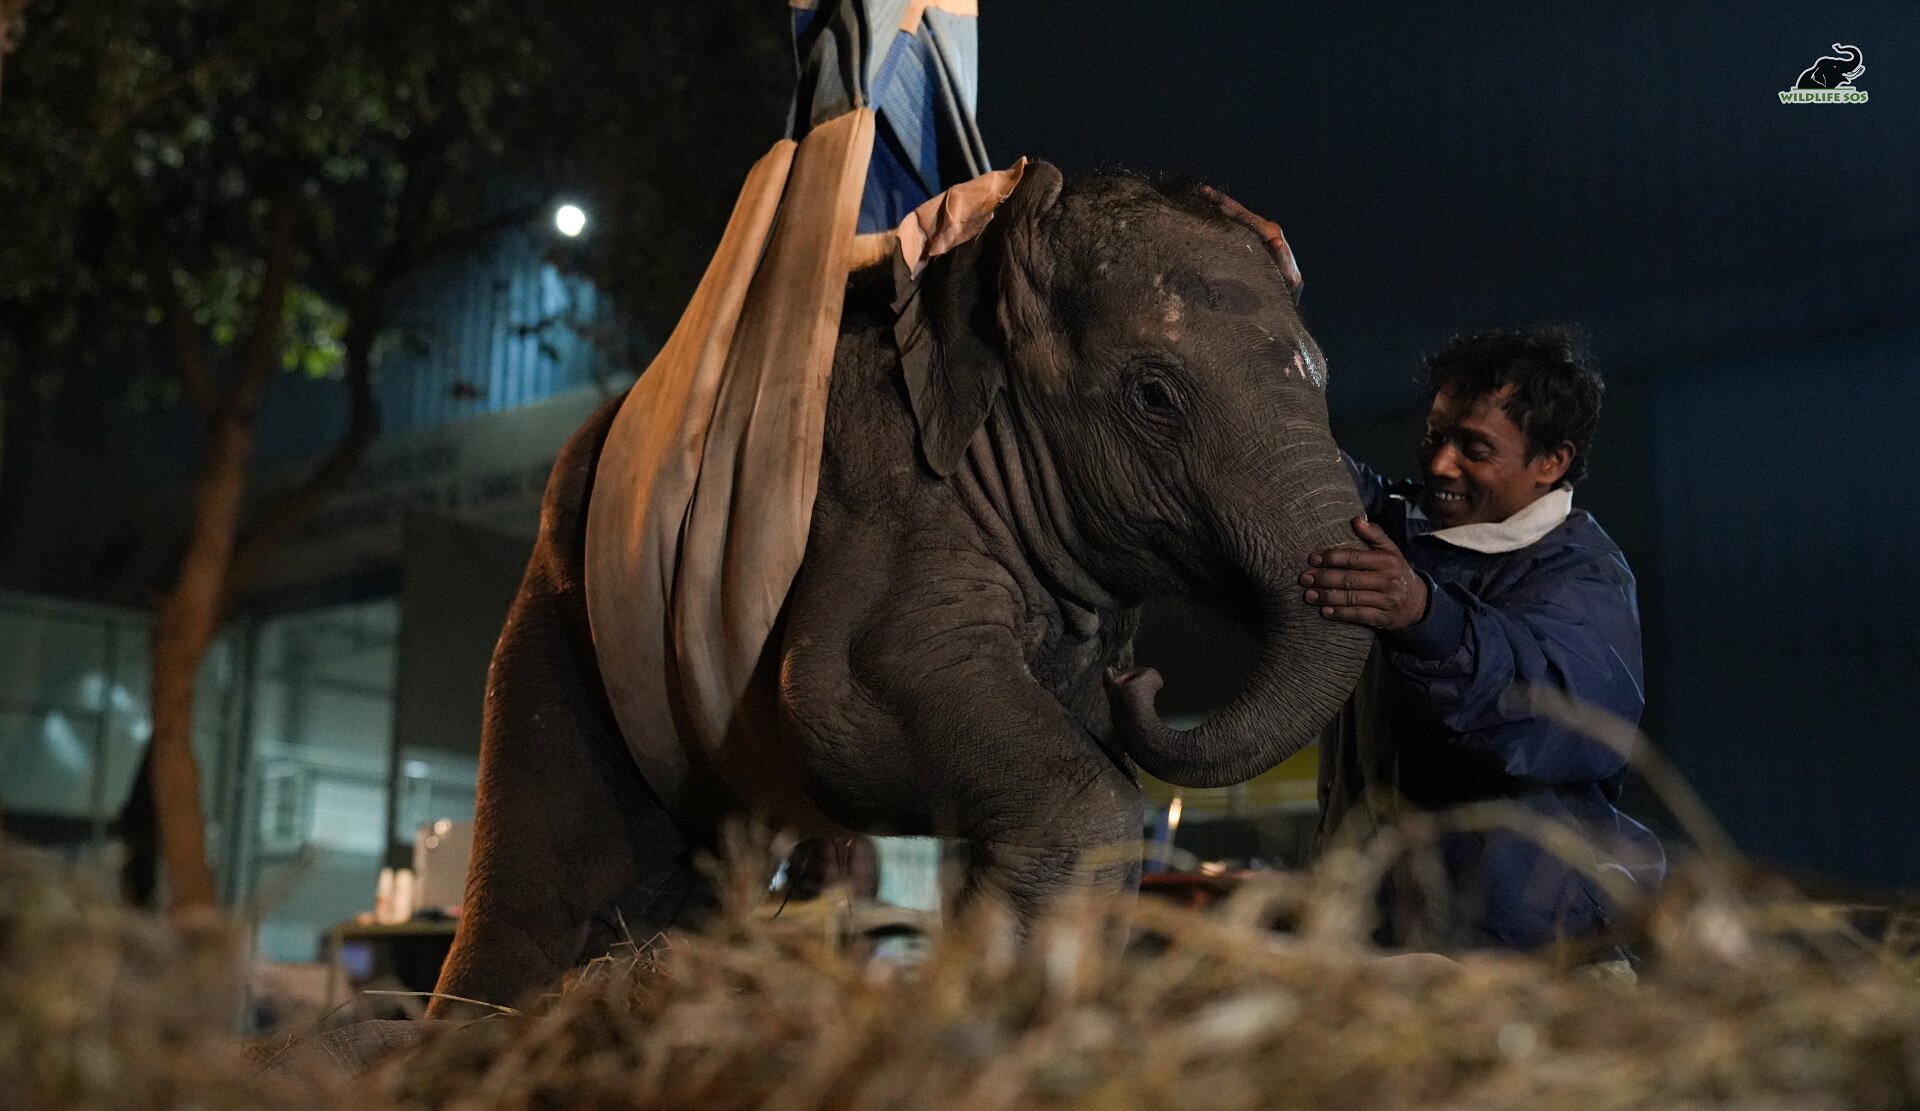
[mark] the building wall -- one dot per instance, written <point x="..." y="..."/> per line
<point x="1447" y="167"/>
<point x="486" y="333"/>
<point x="1788" y="602"/>
<point x="498" y="339"/>
<point x="313" y="754"/>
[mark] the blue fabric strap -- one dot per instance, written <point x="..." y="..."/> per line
<point x="922" y="86"/>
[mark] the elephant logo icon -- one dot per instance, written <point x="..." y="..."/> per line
<point x="1829" y="80"/>
<point x="1831" y="72"/>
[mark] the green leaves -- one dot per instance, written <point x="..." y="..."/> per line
<point x="134" y="128"/>
<point x="142" y="137"/>
<point x="314" y="344"/>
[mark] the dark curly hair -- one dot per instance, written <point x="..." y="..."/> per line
<point x="1556" y="390"/>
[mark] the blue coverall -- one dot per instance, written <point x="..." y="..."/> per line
<point x="1560" y="612"/>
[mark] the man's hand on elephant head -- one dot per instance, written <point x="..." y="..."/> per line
<point x="1373" y="586"/>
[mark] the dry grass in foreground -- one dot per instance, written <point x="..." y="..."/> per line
<point x="102" y="1008"/>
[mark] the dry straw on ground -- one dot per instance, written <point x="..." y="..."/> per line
<point x="1745" y="1004"/>
<point x="104" y="1007"/>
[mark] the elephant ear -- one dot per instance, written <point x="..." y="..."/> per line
<point x="953" y="372"/>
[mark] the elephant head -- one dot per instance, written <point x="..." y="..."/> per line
<point x="1143" y="354"/>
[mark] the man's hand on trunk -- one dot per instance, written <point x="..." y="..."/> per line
<point x="1374" y="586"/>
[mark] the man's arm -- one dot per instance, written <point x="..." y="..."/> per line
<point x="1375" y="490"/>
<point x="1574" y="627"/>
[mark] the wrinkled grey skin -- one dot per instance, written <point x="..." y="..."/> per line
<point x="1120" y="402"/>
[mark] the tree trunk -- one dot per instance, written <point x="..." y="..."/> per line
<point x="219" y="558"/>
<point x="191" y="612"/>
<point x="188" y="619"/>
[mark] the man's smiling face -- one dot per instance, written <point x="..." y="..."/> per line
<point x="1476" y="463"/>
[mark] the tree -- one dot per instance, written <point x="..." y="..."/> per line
<point x="206" y="193"/>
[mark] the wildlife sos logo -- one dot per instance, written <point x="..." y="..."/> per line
<point x="1829" y="80"/>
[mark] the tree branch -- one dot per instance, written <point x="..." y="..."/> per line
<point x="190" y="362"/>
<point x="285" y="513"/>
<point x="366" y="318"/>
<point x="260" y="344"/>
<point x="410" y="207"/>
<point x="321" y="258"/>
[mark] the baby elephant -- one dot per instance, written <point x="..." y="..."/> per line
<point x="1113" y="399"/>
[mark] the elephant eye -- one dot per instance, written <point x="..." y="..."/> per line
<point x="1155" y="394"/>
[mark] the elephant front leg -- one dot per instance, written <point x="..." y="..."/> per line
<point x="996" y="761"/>
<point x="1029" y="877"/>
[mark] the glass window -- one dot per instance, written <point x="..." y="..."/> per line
<point x="434" y="785"/>
<point x="47" y="760"/>
<point x="52" y="689"/>
<point x="74" y="708"/>
<point x="322" y="722"/>
<point x="54" y="660"/>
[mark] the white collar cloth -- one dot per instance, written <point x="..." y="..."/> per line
<point x="1526" y="527"/>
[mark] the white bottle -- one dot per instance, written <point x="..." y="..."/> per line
<point x="402" y="896"/>
<point x="383" y="897"/>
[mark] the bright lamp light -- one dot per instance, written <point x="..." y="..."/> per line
<point x="570" y="219"/>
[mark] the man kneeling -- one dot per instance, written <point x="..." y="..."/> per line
<point x="1483" y="581"/>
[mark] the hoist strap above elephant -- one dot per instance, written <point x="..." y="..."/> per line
<point x="705" y="487"/>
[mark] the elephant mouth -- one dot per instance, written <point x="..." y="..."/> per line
<point x="1108" y="741"/>
<point x="1257" y="673"/>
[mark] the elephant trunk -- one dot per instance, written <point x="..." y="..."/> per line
<point x="1851" y="55"/>
<point x="1307" y="666"/>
